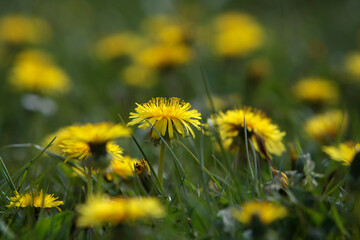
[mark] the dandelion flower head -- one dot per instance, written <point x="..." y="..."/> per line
<point x="18" y="29"/>
<point x="93" y="139"/>
<point x="259" y="128"/>
<point x="34" y="71"/>
<point x="168" y="116"/>
<point x="326" y="126"/>
<point x="35" y="199"/>
<point x="118" y="45"/>
<point x="101" y="209"/>
<point x="344" y="152"/>
<point x="237" y="34"/>
<point x="166" y="29"/>
<point x="163" y="55"/>
<point x="60" y="135"/>
<point x="267" y="212"/>
<point x="316" y="90"/>
<point x="125" y="167"/>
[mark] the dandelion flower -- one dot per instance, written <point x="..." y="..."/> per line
<point x="237" y="34"/>
<point x="266" y="212"/>
<point x="101" y="209"/>
<point x="140" y="76"/>
<point x="35" y="199"/>
<point x="60" y="135"/>
<point x="344" y="152"/>
<point x="93" y="140"/>
<point x="352" y="65"/>
<point x="125" y="167"/>
<point x="34" y="71"/>
<point x="316" y="90"/>
<point x="167" y="116"/>
<point x="326" y="126"/>
<point x="166" y="29"/>
<point x="266" y="136"/>
<point x="118" y="45"/>
<point x="18" y="29"/>
<point x="162" y="56"/>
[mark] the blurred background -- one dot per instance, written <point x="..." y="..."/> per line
<point x="67" y="62"/>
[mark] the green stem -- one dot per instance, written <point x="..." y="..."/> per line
<point x="89" y="182"/>
<point x="161" y="164"/>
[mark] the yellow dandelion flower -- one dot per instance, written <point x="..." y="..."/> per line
<point x="118" y="45"/>
<point x="61" y="135"/>
<point x="352" y="65"/>
<point x="166" y="29"/>
<point x="160" y="55"/>
<point x="166" y="115"/>
<point x="18" y="29"/>
<point x="140" y="76"/>
<point x="237" y="34"/>
<point x="83" y="150"/>
<point x="125" y="167"/>
<point x="34" y="71"/>
<point x="35" y="199"/>
<point x="259" y="128"/>
<point x="99" y="132"/>
<point x="344" y="152"/>
<point x="85" y="141"/>
<point x="316" y="90"/>
<point x="326" y="126"/>
<point x="267" y="212"/>
<point x="101" y="209"/>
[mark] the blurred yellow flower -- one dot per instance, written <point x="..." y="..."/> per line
<point x="140" y="76"/>
<point x="237" y="34"/>
<point x="352" y="65"/>
<point x="87" y="140"/>
<point x="326" y="126"/>
<point x="35" y="199"/>
<point x="118" y="45"/>
<point x="34" y="71"/>
<point x="267" y="212"/>
<point x="259" y="128"/>
<point x="18" y="29"/>
<point x="166" y="115"/>
<point x="344" y="152"/>
<point x="166" y="29"/>
<point x="101" y="209"/>
<point x="316" y="90"/>
<point x="125" y="167"/>
<point x="83" y="150"/>
<point x="160" y="55"/>
<point x="61" y="134"/>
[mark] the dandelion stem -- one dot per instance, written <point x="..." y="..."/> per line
<point x="89" y="182"/>
<point x="161" y="164"/>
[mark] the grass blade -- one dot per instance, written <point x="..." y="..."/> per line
<point x="6" y="175"/>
